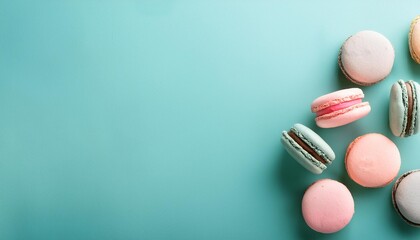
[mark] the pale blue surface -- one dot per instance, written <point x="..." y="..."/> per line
<point x="162" y="119"/>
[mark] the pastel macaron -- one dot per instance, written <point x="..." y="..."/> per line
<point x="307" y="148"/>
<point x="327" y="206"/>
<point x="403" y="108"/>
<point x="414" y="39"/>
<point x="372" y="160"/>
<point x="340" y="108"/>
<point x="406" y="197"/>
<point x="366" y="58"/>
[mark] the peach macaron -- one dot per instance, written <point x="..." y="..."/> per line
<point x="372" y="160"/>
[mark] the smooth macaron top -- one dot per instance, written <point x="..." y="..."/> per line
<point x="406" y="197"/>
<point x="414" y="39"/>
<point x="307" y="148"/>
<point x="372" y="160"/>
<point x="340" y="107"/>
<point x="366" y="57"/>
<point x="327" y="206"/>
<point x="403" y="108"/>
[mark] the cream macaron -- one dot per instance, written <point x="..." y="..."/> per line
<point x="414" y="39"/>
<point x="366" y="58"/>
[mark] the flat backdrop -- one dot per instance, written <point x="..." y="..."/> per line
<point x="162" y="119"/>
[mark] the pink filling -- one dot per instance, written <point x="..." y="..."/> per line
<point x="337" y="107"/>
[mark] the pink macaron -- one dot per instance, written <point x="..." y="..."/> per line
<point x="372" y="160"/>
<point x="327" y="206"/>
<point x="340" y="108"/>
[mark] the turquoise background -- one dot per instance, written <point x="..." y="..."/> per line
<point x="162" y="119"/>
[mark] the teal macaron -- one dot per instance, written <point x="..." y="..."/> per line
<point x="307" y="148"/>
<point x="403" y="108"/>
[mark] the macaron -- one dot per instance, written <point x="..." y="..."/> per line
<point x="403" y="108"/>
<point x="340" y="108"/>
<point x="406" y="197"/>
<point x="414" y="39"/>
<point x="366" y="58"/>
<point x="372" y="160"/>
<point x="307" y="148"/>
<point x="327" y="206"/>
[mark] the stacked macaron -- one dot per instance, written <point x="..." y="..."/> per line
<point x="371" y="160"/>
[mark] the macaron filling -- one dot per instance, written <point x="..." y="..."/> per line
<point x="306" y="147"/>
<point x="409" y="107"/>
<point x="338" y="107"/>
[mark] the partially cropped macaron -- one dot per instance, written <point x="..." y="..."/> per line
<point x="340" y="108"/>
<point x="307" y="148"/>
<point x="366" y="58"/>
<point x="327" y="206"/>
<point x="414" y="39"/>
<point x="403" y="108"/>
<point x="406" y="197"/>
<point x="372" y="160"/>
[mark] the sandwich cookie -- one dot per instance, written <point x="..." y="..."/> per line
<point x="307" y="148"/>
<point x="372" y="160"/>
<point x="414" y="39"/>
<point x="403" y="108"/>
<point x="340" y="108"/>
<point x="366" y="58"/>
<point x="327" y="206"/>
<point x="406" y="197"/>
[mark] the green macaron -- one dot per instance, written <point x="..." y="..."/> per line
<point x="403" y="108"/>
<point x="307" y="148"/>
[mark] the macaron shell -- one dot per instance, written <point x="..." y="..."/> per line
<point x="372" y="160"/>
<point x="327" y="206"/>
<point x="367" y="57"/>
<point x="397" y="117"/>
<point x="414" y="39"/>
<point x="406" y="197"/>
<point x="344" y="116"/>
<point x="336" y="97"/>
<point x="301" y="156"/>
<point x="314" y="140"/>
